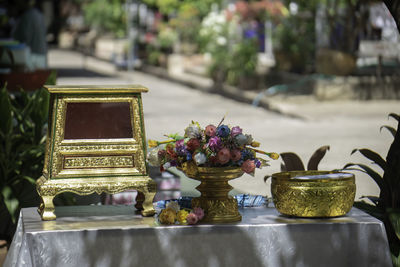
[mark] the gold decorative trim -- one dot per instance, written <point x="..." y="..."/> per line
<point x="66" y="149"/>
<point x="92" y="162"/>
<point x="92" y="89"/>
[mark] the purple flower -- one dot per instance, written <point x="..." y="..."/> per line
<point x="223" y="131"/>
<point x="235" y="131"/>
<point x="182" y="151"/>
<point x="215" y="143"/>
<point x="180" y="143"/>
<point x="180" y="147"/>
<point x="247" y="154"/>
<point x="258" y="163"/>
<point x="250" y="34"/>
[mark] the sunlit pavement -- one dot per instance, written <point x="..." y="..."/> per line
<point x="169" y="107"/>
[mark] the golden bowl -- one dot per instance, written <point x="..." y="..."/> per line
<point x="313" y="193"/>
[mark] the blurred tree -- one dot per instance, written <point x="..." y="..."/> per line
<point x="294" y="53"/>
<point x="172" y="7"/>
<point x="107" y="16"/>
<point x="184" y="17"/>
<point x="346" y="19"/>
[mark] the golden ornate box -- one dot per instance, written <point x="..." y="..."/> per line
<point x="95" y="143"/>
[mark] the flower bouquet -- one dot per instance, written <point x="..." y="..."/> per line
<point x="213" y="146"/>
<point x="213" y="155"/>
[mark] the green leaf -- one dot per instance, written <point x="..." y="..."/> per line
<point x="394" y="218"/>
<point x="266" y="178"/>
<point x="395" y="116"/>
<point x="283" y="167"/>
<point x="390" y="129"/>
<point x="10" y="201"/>
<point x="373" y="199"/>
<point x="29" y="179"/>
<point x="395" y="260"/>
<point x="292" y="161"/>
<point x="52" y="79"/>
<point x="370" y="209"/>
<point x="372" y="155"/>
<point x="5" y="112"/>
<point x="373" y="174"/>
<point x="316" y="158"/>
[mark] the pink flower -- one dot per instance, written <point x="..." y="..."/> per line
<point x="248" y="166"/>
<point x="223" y="156"/>
<point x="199" y="212"/>
<point x="211" y="130"/>
<point x="235" y="154"/>
<point x="193" y="144"/>
<point x="214" y="143"/>
<point x="192" y="218"/>
<point x="235" y="131"/>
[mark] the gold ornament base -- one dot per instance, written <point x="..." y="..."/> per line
<point x="218" y="210"/>
<point x="48" y="189"/>
<point x="218" y="206"/>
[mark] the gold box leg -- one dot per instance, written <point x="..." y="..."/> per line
<point x="146" y="204"/>
<point x="46" y="208"/>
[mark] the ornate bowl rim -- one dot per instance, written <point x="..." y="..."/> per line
<point x="312" y="176"/>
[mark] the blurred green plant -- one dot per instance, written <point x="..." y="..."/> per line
<point x="106" y="16"/>
<point x="184" y="18"/>
<point x="386" y="206"/>
<point x="172" y="7"/>
<point x="217" y="35"/>
<point x="22" y="143"/>
<point x="23" y="119"/>
<point x="293" y="53"/>
<point x="243" y="64"/>
<point x="166" y="38"/>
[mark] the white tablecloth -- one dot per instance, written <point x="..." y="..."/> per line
<point x="116" y="236"/>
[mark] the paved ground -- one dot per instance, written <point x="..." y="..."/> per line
<point x="169" y="107"/>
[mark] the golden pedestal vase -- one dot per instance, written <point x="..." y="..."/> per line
<point x="218" y="206"/>
<point x="313" y="193"/>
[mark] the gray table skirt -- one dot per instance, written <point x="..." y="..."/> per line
<point x="116" y="236"/>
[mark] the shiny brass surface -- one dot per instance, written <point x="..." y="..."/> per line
<point x="218" y="206"/>
<point x="85" y="166"/>
<point x="313" y="197"/>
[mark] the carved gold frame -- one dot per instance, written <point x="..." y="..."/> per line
<point x="86" y="166"/>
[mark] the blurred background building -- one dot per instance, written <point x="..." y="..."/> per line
<point x="248" y="44"/>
